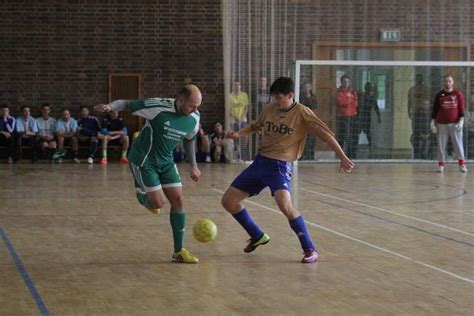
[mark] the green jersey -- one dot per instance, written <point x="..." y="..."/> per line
<point x="163" y="130"/>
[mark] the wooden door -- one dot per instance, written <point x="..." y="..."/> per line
<point x="127" y="86"/>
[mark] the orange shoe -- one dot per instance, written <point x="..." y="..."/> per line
<point x="124" y="160"/>
<point x="104" y="161"/>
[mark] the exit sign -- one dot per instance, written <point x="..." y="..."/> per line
<point x="390" y="35"/>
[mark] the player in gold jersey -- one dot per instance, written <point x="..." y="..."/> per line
<point x="284" y="125"/>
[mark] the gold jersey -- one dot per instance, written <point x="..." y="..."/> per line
<point x="284" y="132"/>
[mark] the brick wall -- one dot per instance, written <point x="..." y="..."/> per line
<point x="62" y="51"/>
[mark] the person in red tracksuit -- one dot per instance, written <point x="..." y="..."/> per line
<point x="447" y="120"/>
<point x="346" y="123"/>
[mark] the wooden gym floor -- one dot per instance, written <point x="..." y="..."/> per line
<point x="393" y="239"/>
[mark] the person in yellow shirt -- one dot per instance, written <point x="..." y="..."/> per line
<point x="284" y="124"/>
<point x="238" y="109"/>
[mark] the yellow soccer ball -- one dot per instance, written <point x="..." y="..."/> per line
<point x="135" y="135"/>
<point x="204" y="230"/>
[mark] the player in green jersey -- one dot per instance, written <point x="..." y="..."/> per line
<point x="168" y="121"/>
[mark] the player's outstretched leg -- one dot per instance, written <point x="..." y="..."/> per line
<point x="297" y="224"/>
<point x="299" y="227"/>
<point x="231" y="202"/>
<point x="178" y="223"/>
<point x="257" y="236"/>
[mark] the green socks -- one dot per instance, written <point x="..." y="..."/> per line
<point x="178" y="221"/>
<point x="124" y="154"/>
<point x="104" y="153"/>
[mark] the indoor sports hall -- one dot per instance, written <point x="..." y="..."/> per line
<point x="395" y="236"/>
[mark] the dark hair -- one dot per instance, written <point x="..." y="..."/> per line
<point x="45" y="105"/>
<point x="345" y="77"/>
<point x="4" y="106"/>
<point x="283" y="85"/>
<point x="82" y="107"/>
<point x="24" y="107"/>
<point x="64" y="109"/>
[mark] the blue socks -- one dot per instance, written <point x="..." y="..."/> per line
<point x="244" y="219"/>
<point x="299" y="227"/>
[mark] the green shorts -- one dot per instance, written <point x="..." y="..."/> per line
<point x="152" y="178"/>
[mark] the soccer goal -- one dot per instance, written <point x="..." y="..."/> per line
<point x="392" y="101"/>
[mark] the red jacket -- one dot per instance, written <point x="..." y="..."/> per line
<point x="448" y="107"/>
<point x="347" y="101"/>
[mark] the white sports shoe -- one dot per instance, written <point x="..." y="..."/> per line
<point x="463" y="168"/>
<point x="90" y="161"/>
<point x="76" y="160"/>
<point x="440" y="169"/>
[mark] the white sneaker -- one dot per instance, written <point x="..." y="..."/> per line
<point x="440" y="169"/>
<point x="463" y="168"/>
<point x="90" y="161"/>
<point x="76" y="160"/>
<point x="208" y="159"/>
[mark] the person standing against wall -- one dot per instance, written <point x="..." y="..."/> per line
<point x="447" y="120"/>
<point x="346" y="123"/>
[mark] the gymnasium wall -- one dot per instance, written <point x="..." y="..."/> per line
<point x="266" y="36"/>
<point x="62" y="51"/>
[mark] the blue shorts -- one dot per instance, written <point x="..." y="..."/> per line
<point x="264" y="172"/>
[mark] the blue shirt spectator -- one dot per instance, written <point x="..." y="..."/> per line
<point x="7" y="124"/>
<point x="88" y="125"/>
<point x="24" y="124"/>
<point x="110" y="124"/>
<point x="46" y="126"/>
<point x="7" y="129"/>
<point x="66" y="126"/>
<point x="27" y="129"/>
<point x="46" y="123"/>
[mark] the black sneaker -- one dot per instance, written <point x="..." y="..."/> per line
<point x="254" y="243"/>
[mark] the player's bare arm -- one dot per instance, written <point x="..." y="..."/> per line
<point x="246" y="131"/>
<point x="102" y="108"/>
<point x="346" y="164"/>
<point x="117" y="105"/>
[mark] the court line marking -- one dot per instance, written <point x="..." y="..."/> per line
<point x="24" y="274"/>
<point x="390" y="212"/>
<point x="393" y="253"/>
<point x="383" y="218"/>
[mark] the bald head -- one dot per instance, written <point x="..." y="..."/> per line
<point x="189" y="99"/>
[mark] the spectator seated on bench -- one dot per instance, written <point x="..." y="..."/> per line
<point x="221" y="147"/>
<point x="114" y="132"/>
<point x="7" y="132"/>
<point x="88" y="132"/>
<point x="46" y="129"/>
<point x="203" y="146"/>
<point x="66" y="128"/>
<point x="27" y="130"/>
